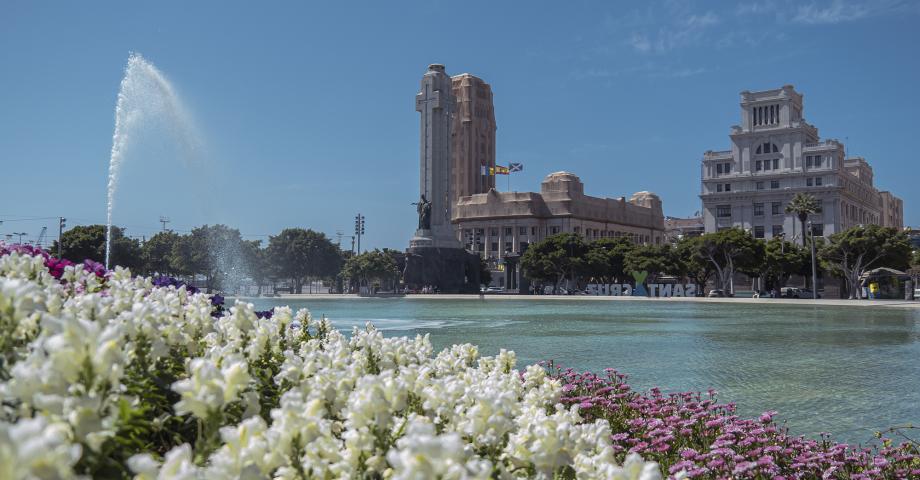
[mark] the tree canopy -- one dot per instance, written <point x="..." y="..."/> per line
<point x="84" y="242"/>
<point x="852" y="252"/>
<point x="299" y="254"/>
<point x="554" y="257"/>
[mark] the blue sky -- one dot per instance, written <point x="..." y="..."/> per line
<point x="306" y="111"/>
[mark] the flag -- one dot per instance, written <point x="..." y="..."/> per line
<point x="515" y="167"/>
<point x="483" y="170"/>
<point x="498" y="170"/>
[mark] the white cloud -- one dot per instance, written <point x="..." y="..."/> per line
<point x="755" y="8"/>
<point x="682" y="30"/>
<point x="837" y="11"/>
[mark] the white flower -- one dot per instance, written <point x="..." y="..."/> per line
<point x="35" y="448"/>
<point x="422" y="454"/>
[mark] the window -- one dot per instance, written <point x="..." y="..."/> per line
<point x="817" y="229"/>
<point x="555" y="230"/>
<point x="728" y="187"/>
<point x="820" y="207"/>
<point x="774" y="184"/>
<point x="578" y="230"/>
<point x="719" y="168"/>
<point x="766" y="164"/>
<point x="523" y="247"/>
<point x="522" y="230"/>
<point x="808" y="182"/>
<point x="719" y="187"/>
<point x="728" y="168"/>
<point x="508" y="247"/>
<point x="776" y="208"/>
<point x="808" y="161"/>
<point x="777" y="231"/>
<point x="493" y="232"/>
<point x="818" y="181"/>
<point x="533" y="231"/>
<point x="758" y="209"/>
<point x="775" y="164"/>
<point x="723" y="211"/>
<point x="774" y="149"/>
<point x="494" y="246"/>
<point x="508" y="231"/>
<point x="759" y="185"/>
<point x="758" y="231"/>
<point x="817" y="161"/>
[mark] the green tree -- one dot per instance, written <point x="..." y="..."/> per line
<point x="850" y="253"/>
<point x="299" y="255"/>
<point x="369" y="267"/>
<point x="915" y="262"/>
<point x="554" y="257"/>
<point x="691" y="262"/>
<point x="256" y="261"/>
<point x="783" y="259"/>
<point x="88" y="242"/>
<point x="213" y="251"/>
<point x="604" y="260"/>
<point x="485" y="273"/>
<point x="653" y="259"/>
<point x="728" y="251"/>
<point x="157" y="253"/>
<point x="802" y="205"/>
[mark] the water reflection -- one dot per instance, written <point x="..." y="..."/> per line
<point x="847" y="371"/>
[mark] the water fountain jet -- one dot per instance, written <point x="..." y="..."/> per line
<point x="145" y="96"/>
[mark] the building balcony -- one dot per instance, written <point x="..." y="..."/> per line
<point x="720" y="155"/>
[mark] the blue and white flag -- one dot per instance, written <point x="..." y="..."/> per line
<point x="515" y="167"/>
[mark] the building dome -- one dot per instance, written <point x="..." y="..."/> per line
<point x="645" y="199"/>
<point x="562" y="182"/>
<point x="562" y="177"/>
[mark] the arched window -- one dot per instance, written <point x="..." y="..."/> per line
<point x="759" y="149"/>
<point x="775" y="150"/>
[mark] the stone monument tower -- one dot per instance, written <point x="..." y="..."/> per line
<point x="435" y="256"/>
<point x="435" y="103"/>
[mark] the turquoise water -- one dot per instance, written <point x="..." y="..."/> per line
<point x="845" y="371"/>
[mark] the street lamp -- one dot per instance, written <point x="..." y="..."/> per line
<point x="20" y="234"/>
<point x="814" y="272"/>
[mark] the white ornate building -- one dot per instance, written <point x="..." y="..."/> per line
<point x="775" y="154"/>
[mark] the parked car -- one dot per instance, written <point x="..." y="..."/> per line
<point x="494" y="289"/>
<point x="716" y="292"/>
<point x="796" y="292"/>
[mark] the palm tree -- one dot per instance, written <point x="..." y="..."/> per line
<point x="802" y="205"/>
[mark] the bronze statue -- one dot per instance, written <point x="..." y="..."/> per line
<point x="423" y="207"/>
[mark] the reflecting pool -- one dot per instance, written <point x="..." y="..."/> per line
<point x="845" y="371"/>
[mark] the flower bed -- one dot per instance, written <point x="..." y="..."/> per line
<point x="691" y="433"/>
<point x="106" y="375"/>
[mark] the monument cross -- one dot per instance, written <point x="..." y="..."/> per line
<point x="435" y="103"/>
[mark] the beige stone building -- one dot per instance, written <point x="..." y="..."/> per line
<point x="498" y="223"/>
<point x="472" y="137"/>
<point x="892" y="210"/>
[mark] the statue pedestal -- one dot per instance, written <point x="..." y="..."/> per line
<point x="422" y="238"/>
<point x="450" y="270"/>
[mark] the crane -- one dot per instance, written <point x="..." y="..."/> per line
<point x="41" y="237"/>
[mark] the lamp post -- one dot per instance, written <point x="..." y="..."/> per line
<point x="814" y="270"/>
<point x="20" y="234"/>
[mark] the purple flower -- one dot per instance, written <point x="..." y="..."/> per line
<point x="217" y="300"/>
